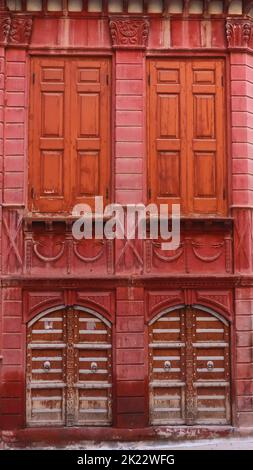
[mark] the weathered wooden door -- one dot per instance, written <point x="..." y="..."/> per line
<point x="69" y="377"/>
<point x="69" y="129"/>
<point x="189" y="368"/>
<point x="186" y="121"/>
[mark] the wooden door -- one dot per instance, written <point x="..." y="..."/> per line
<point x="189" y="369"/>
<point x="93" y="373"/>
<point x="69" y="131"/>
<point x="69" y="379"/>
<point x="186" y="112"/>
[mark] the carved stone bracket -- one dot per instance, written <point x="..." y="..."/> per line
<point x="129" y="32"/>
<point x="238" y="32"/>
<point x="5" y="26"/>
<point x="15" y="30"/>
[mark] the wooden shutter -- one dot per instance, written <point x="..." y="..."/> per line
<point x="69" y="133"/>
<point x="49" y="187"/>
<point x="186" y="135"/>
<point x="206" y="115"/>
<point x="189" y="369"/>
<point x="90" y="124"/>
<point x="167" y="175"/>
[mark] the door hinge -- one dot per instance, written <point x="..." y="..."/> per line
<point x="33" y="78"/>
<point x="32" y="193"/>
<point x="149" y="79"/>
<point x="222" y="80"/>
<point x="107" y="79"/>
<point x="107" y="193"/>
<point x="149" y="193"/>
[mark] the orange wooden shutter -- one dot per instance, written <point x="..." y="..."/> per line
<point x="167" y="132"/>
<point x="69" y="133"/>
<point x="49" y="134"/>
<point x="90" y="124"/>
<point x="186" y="135"/>
<point x="206" y="138"/>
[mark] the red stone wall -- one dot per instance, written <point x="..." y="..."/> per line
<point x="143" y="284"/>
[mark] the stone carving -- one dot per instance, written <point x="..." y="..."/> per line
<point x="5" y="24"/>
<point x="15" y="30"/>
<point x="126" y="32"/>
<point x="238" y="33"/>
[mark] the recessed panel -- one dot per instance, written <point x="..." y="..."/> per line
<point x="204" y="77"/>
<point x="51" y="173"/>
<point x="89" y="75"/>
<point x="88" y="173"/>
<point x="50" y="74"/>
<point x="169" y="174"/>
<point x="204" y="117"/>
<point x="205" y="177"/>
<point x="168" y="76"/>
<point x="168" y="116"/>
<point x="52" y="115"/>
<point x="89" y="115"/>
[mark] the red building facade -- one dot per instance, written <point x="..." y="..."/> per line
<point x="120" y="338"/>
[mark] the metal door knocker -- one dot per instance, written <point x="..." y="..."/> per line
<point x="167" y="365"/>
<point x="47" y="366"/>
<point x="94" y="367"/>
<point x="210" y="365"/>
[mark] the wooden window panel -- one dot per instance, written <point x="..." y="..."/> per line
<point x="90" y="126"/>
<point x="167" y="136"/>
<point x="206" y="137"/>
<point x="69" y="130"/>
<point x="187" y="135"/>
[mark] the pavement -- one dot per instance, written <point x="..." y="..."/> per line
<point x="240" y="443"/>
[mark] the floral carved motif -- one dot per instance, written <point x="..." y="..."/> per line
<point x="127" y="32"/>
<point x="15" y="30"/>
<point x="5" y="24"/>
<point x="238" y="33"/>
<point x="21" y="30"/>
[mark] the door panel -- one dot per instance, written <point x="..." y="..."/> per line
<point x="69" y="133"/>
<point x="93" y="371"/>
<point x="46" y="346"/>
<point x="189" y="369"/>
<point x="186" y="135"/>
<point x="167" y="135"/>
<point x="69" y="378"/>
<point x="167" y="369"/>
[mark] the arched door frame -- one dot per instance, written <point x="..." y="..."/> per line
<point x="73" y="348"/>
<point x="216" y="315"/>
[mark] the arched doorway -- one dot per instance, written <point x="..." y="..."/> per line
<point x="69" y="377"/>
<point x="189" y="370"/>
